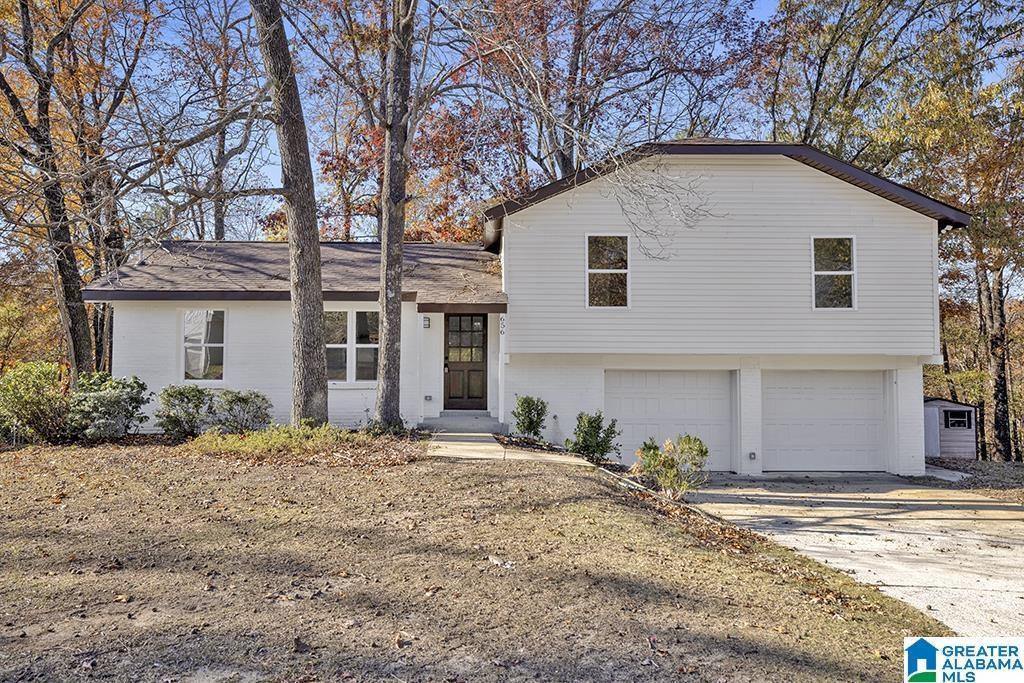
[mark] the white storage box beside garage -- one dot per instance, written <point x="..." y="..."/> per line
<point x="950" y="429"/>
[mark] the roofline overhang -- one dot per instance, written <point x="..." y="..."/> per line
<point x="106" y="295"/>
<point x="946" y="215"/>
<point x="427" y="307"/>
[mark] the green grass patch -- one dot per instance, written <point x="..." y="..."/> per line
<point x="318" y="444"/>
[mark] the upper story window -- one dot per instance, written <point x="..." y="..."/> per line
<point x="204" y="345"/>
<point x="834" y="272"/>
<point x="607" y="271"/>
<point x="352" y="339"/>
<point x="957" y="419"/>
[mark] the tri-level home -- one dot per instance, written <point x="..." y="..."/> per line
<point x="771" y="299"/>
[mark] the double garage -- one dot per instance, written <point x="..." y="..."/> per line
<point x="812" y="420"/>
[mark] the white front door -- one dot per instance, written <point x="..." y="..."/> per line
<point x="664" y="404"/>
<point x="823" y="421"/>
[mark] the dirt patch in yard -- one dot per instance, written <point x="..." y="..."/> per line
<point x="1002" y="480"/>
<point x="150" y="564"/>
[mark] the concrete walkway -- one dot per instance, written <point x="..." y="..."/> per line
<point x="485" y="447"/>
<point x="953" y="554"/>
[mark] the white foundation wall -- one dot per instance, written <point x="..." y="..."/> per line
<point x="573" y="383"/>
<point x="148" y="342"/>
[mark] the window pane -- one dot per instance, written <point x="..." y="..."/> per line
<point x="337" y="364"/>
<point x="204" y="327"/>
<point x="478" y="355"/>
<point x="478" y="339"/>
<point x="453" y="339"/>
<point x="607" y="289"/>
<point x="453" y="323"/>
<point x="478" y="323"/>
<point x="467" y="323"/>
<point x="833" y="291"/>
<point x="204" y="362"/>
<point x="607" y="253"/>
<point x="367" y="327"/>
<point x="833" y="254"/>
<point x="467" y="339"/>
<point x="467" y="355"/>
<point x="366" y="364"/>
<point x="336" y="327"/>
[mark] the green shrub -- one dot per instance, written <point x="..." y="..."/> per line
<point x="34" y="402"/>
<point x="241" y="411"/>
<point x="593" y="439"/>
<point x="279" y="440"/>
<point x="186" y="410"/>
<point x="104" y="407"/>
<point x="677" y="467"/>
<point x="531" y="415"/>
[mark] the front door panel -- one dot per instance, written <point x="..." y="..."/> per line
<point x="465" y="362"/>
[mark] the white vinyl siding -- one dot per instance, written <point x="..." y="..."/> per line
<point x="737" y="281"/>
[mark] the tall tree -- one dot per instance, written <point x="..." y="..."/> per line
<point x="309" y="360"/>
<point x="393" y="197"/>
<point x="30" y="135"/>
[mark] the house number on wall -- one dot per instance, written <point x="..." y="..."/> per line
<point x="502" y="324"/>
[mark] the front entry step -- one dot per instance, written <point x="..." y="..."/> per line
<point x="464" y="421"/>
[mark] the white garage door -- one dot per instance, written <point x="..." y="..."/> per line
<point x="822" y="421"/>
<point x="665" y="404"/>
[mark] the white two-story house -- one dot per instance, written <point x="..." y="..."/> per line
<point x="766" y="297"/>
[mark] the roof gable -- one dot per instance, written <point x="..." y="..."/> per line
<point x="944" y="214"/>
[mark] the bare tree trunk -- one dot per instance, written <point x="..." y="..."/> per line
<point x="997" y="362"/>
<point x="309" y="361"/>
<point x="992" y="314"/>
<point x="396" y="130"/>
<point x="69" y="280"/>
<point x="950" y="384"/>
<point x="219" y="202"/>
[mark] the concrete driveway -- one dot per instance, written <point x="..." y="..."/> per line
<point x="955" y="555"/>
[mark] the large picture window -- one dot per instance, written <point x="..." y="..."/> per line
<point x="352" y="337"/>
<point x="204" y="345"/>
<point x="607" y="271"/>
<point x="834" y="272"/>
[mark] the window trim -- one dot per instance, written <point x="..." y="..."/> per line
<point x="852" y="272"/>
<point x="351" y="345"/>
<point x="181" y="347"/>
<point x="587" y="270"/>
<point x="968" y="418"/>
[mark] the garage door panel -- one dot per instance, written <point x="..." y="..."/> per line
<point x="823" y="421"/>
<point x="665" y="404"/>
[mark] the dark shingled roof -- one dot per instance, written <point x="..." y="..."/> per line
<point x="437" y="276"/>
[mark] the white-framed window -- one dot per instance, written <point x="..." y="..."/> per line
<point x="203" y="344"/>
<point x="833" y="272"/>
<point x="607" y="283"/>
<point x="957" y="419"/>
<point x="352" y="339"/>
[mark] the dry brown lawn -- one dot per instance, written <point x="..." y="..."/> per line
<point x="146" y="563"/>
